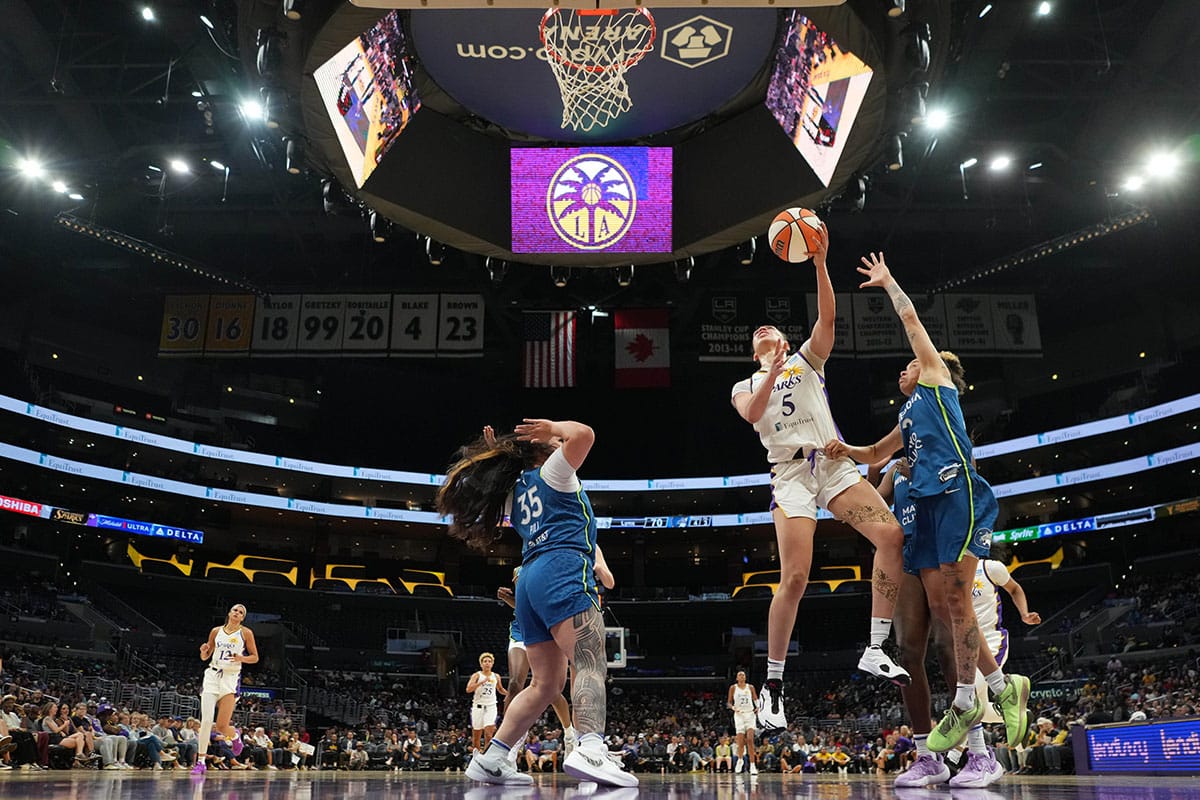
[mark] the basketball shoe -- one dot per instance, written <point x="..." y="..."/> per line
<point x="1012" y="704"/>
<point x="589" y="761"/>
<point x="925" y="771"/>
<point x="877" y="663"/>
<point x="495" y="768"/>
<point x="770" y="707"/>
<point x="952" y="729"/>
<point x="981" y="770"/>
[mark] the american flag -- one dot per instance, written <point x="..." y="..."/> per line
<point x="549" y="349"/>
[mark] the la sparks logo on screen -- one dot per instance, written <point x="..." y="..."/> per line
<point x="591" y="202"/>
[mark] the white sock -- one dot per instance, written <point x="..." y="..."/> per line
<point x="774" y="669"/>
<point x="975" y="743"/>
<point x="880" y="629"/>
<point x="953" y="755"/>
<point x="995" y="681"/>
<point x="964" y="697"/>
<point x="921" y="741"/>
<point x="592" y="739"/>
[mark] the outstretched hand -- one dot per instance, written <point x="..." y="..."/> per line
<point x="876" y="270"/>
<point x="822" y="252"/>
<point x="778" y="360"/>
<point x="535" y="430"/>
<point x="489" y="436"/>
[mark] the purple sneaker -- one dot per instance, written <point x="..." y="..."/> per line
<point x="925" y="771"/>
<point x="237" y="745"/>
<point x="976" y="774"/>
<point x="199" y="769"/>
<point x="994" y="770"/>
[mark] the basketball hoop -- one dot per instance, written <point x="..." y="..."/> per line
<point x="590" y="51"/>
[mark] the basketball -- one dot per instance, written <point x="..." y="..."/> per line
<point x="795" y="234"/>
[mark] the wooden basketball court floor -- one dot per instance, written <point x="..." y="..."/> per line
<point x="90" y="785"/>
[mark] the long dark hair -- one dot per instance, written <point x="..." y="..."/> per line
<point x="478" y="483"/>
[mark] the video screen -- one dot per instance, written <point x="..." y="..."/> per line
<point x="369" y="95"/>
<point x="815" y="93"/>
<point x="594" y="199"/>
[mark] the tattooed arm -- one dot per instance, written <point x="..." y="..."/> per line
<point x="933" y="370"/>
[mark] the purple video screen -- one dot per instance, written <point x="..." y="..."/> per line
<point x="591" y="199"/>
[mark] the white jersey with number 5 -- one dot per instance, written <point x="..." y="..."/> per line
<point x="797" y="417"/>
<point x="228" y="645"/>
<point x="985" y="595"/>
<point x="485" y="690"/>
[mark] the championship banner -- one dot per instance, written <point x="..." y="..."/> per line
<point x="414" y="324"/>
<point x="276" y="325"/>
<point x="729" y="323"/>
<point x="367" y="324"/>
<point x="969" y="317"/>
<point x="185" y="318"/>
<point x="230" y="324"/>
<point x="1016" y="323"/>
<point x="843" y="325"/>
<point x="460" y="325"/>
<point x="877" y="329"/>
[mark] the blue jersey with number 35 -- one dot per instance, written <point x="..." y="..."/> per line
<point x="548" y="519"/>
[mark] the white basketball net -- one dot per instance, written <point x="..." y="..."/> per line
<point x="590" y="54"/>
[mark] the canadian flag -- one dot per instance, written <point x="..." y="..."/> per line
<point x="643" y="348"/>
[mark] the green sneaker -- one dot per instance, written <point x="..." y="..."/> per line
<point x="1012" y="704"/>
<point x="952" y="730"/>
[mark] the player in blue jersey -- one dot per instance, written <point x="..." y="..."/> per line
<point x="533" y="474"/>
<point x="955" y="513"/>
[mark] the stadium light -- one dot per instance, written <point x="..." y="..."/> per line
<point x="560" y="276"/>
<point x="31" y="168"/>
<point x="208" y="23"/>
<point x="895" y="9"/>
<point x="970" y="162"/>
<point x="293" y="9"/>
<point x="1035" y="165"/>
<point x="295" y="154"/>
<point x="497" y="269"/>
<point x="148" y="13"/>
<point x="251" y="109"/>
<point x="624" y="275"/>
<point x="1162" y="164"/>
<point x="180" y="166"/>
<point x="217" y="165"/>
<point x="1044" y="8"/>
<point x="1133" y="183"/>
<point x="1000" y="163"/>
<point x="894" y="157"/>
<point x="983" y="12"/>
<point x="59" y="187"/>
<point x="746" y="251"/>
<point x="937" y="119"/>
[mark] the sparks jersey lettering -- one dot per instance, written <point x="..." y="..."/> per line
<point x="228" y="645"/>
<point x="743" y="702"/>
<point x="985" y="596"/>
<point x="935" y="439"/>
<point x="485" y="690"/>
<point x="797" y="416"/>
<point x="549" y="519"/>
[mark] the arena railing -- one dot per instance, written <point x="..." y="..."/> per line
<point x="151" y="439"/>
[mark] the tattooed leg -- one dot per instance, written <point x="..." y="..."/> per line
<point x="590" y="668"/>
<point x="958" y="579"/>
<point x="861" y="507"/>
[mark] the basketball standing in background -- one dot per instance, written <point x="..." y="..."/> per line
<point x="742" y="700"/>
<point x="788" y="406"/>
<point x="484" y="685"/>
<point x="229" y="646"/>
<point x="955" y="513"/>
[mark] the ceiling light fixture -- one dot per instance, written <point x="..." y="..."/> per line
<point x="1000" y="163"/>
<point x="148" y="13"/>
<point x="1044" y="8"/>
<point x="983" y="12"/>
<point x="208" y="23"/>
<point x="937" y="119"/>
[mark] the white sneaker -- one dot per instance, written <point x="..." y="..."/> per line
<point x="925" y="771"/>
<point x="590" y="762"/>
<point x="737" y="766"/>
<point x="753" y="768"/>
<point x="995" y="771"/>
<point x="157" y="768"/>
<point x="570" y="739"/>
<point x="498" y="771"/>
<point x="770" y="711"/>
<point x="111" y="766"/>
<point x="272" y="767"/>
<point x="514" y="754"/>
<point x="877" y="663"/>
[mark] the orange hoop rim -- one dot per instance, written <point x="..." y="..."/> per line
<point x="598" y="12"/>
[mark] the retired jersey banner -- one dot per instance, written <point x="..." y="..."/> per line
<point x="185" y="321"/>
<point x="1015" y="323"/>
<point x="643" y="348"/>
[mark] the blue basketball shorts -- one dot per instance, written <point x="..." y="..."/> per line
<point x="950" y="525"/>
<point x="556" y="585"/>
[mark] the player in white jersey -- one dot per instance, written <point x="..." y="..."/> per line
<point x="485" y="686"/>
<point x="787" y="404"/>
<point x="743" y="701"/>
<point x="229" y="646"/>
<point x="990" y="575"/>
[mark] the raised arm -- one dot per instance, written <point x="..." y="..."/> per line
<point x="878" y="274"/>
<point x="823" y="329"/>
<point x="577" y="438"/>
